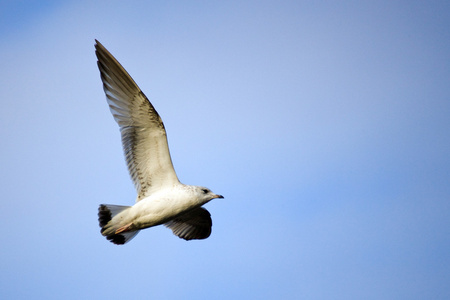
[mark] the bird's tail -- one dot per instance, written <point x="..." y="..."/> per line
<point x="106" y="214"/>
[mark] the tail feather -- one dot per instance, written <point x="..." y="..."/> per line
<point x="106" y="213"/>
<point x="122" y="238"/>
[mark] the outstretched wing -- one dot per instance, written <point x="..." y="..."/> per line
<point x="144" y="138"/>
<point x="194" y="225"/>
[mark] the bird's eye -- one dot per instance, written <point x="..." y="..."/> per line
<point x="205" y="191"/>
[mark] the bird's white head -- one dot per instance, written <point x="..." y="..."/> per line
<point x="205" y="194"/>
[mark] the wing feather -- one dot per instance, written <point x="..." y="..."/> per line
<point x="144" y="138"/>
<point x="195" y="224"/>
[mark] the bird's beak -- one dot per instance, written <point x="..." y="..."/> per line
<point x="218" y="196"/>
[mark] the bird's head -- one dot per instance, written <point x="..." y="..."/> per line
<point x="206" y="194"/>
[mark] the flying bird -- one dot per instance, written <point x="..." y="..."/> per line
<point x="161" y="198"/>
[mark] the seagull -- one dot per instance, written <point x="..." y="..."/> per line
<point x="161" y="197"/>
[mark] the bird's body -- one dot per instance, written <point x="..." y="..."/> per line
<point x="159" y="208"/>
<point x="161" y="198"/>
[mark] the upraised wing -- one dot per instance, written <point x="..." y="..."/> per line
<point x="144" y="137"/>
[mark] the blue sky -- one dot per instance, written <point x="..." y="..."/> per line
<point x="324" y="124"/>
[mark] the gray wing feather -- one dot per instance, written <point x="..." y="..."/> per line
<point x="144" y="137"/>
<point x="195" y="224"/>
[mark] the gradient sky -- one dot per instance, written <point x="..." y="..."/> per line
<point x="325" y="124"/>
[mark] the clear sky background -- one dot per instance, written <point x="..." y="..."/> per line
<point x="325" y="124"/>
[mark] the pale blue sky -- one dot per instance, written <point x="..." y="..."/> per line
<point x="326" y="126"/>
